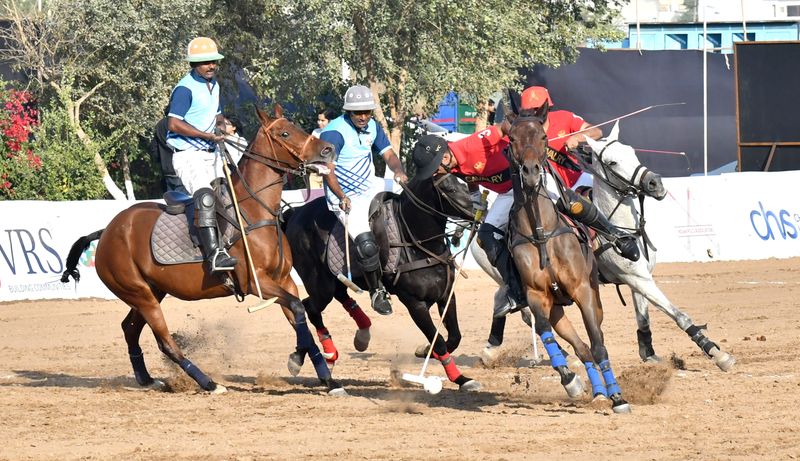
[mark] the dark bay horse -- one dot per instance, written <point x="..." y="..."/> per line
<point x="125" y="262"/>
<point x="556" y="268"/>
<point x="425" y="267"/>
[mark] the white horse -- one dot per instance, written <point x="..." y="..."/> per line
<point x="619" y="179"/>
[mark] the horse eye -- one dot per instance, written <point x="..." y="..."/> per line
<point x="612" y="163"/>
<point x="285" y="134"/>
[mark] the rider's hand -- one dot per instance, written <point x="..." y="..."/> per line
<point x="216" y="137"/>
<point x="344" y="204"/>
<point x="401" y="177"/>
<point x="572" y="142"/>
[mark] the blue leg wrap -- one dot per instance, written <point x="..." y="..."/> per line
<point x="556" y="357"/>
<point x="305" y="342"/>
<point x="611" y="383"/>
<point x="139" y="368"/>
<point x="598" y="386"/>
<point x="197" y="375"/>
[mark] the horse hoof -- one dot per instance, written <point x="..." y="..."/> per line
<point x="219" y="389"/>
<point x="574" y="362"/>
<point x="652" y="359"/>
<point x="489" y="355"/>
<point x="574" y="388"/>
<point x="156" y="385"/>
<point x="724" y="360"/>
<point x="361" y="339"/>
<point x="338" y="392"/>
<point x="295" y="363"/>
<point x="470" y="386"/>
<point x="619" y="405"/>
<point x="422" y="351"/>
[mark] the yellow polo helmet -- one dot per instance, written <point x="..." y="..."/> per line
<point x="202" y="49"/>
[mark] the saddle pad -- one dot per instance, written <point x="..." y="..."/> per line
<point x="170" y="241"/>
<point x="335" y="248"/>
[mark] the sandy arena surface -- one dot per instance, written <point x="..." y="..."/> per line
<point x="67" y="390"/>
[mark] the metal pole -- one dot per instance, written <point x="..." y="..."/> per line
<point x="705" y="90"/>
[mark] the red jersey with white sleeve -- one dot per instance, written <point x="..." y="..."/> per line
<point x="481" y="160"/>
<point x="563" y="123"/>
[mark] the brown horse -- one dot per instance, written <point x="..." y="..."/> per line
<point x="126" y="265"/>
<point x="556" y="268"/>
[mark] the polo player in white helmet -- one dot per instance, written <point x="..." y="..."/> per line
<point x="355" y="137"/>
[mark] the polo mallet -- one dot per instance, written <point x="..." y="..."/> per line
<point x="433" y="384"/>
<point x="250" y="265"/>
<point x="347" y="281"/>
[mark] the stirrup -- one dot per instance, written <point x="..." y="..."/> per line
<point x="509" y="307"/>
<point x="380" y="301"/>
<point x="221" y="261"/>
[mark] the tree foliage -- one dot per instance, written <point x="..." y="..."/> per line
<point x="109" y="65"/>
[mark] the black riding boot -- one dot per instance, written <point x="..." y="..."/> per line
<point x="206" y="217"/>
<point x="498" y="254"/>
<point x="368" y="254"/>
<point x="586" y="213"/>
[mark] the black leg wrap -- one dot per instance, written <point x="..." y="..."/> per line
<point x="645" y="338"/>
<point x="701" y="340"/>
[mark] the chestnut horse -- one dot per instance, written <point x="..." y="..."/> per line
<point x="555" y="267"/>
<point x="125" y="263"/>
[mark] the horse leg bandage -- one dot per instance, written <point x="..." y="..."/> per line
<point x="449" y="365"/>
<point x="355" y="312"/>
<point x="204" y="381"/>
<point x="611" y="382"/>
<point x="139" y="369"/>
<point x="553" y="351"/>
<point x="327" y="345"/>
<point x="598" y="386"/>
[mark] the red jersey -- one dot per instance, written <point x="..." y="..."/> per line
<point x="481" y="160"/>
<point x="562" y="123"/>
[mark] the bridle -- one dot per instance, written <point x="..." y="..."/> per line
<point x="528" y="199"/>
<point x="624" y="187"/>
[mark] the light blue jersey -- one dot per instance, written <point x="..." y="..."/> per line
<point x="355" y="169"/>
<point x="197" y="103"/>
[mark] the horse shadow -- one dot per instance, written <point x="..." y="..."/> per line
<point x="36" y="378"/>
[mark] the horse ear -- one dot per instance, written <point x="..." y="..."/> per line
<point x="614" y="135"/>
<point x="514" y="101"/>
<point x="542" y="112"/>
<point x="278" y="111"/>
<point x="262" y="116"/>
<point x="596" y="146"/>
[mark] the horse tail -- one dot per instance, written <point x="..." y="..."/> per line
<point x="75" y="253"/>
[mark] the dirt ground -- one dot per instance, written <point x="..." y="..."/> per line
<point x="67" y="391"/>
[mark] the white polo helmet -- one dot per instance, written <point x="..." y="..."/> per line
<point x="359" y="97"/>
<point x="202" y="49"/>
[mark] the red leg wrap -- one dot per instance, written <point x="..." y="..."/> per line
<point x="449" y="365"/>
<point x="327" y="345"/>
<point x="352" y="308"/>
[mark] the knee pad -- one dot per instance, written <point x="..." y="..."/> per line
<point x="368" y="251"/>
<point x="578" y="207"/>
<point x="490" y="243"/>
<point x="204" y="202"/>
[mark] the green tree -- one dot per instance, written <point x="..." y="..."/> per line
<point x="410" y="52"/>
<point x="109" y="64"/>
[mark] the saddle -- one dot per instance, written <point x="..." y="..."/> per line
<point x="382" y="217"/>
<point x="174" y="237"/>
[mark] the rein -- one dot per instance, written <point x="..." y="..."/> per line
<point x="276" y="164"/>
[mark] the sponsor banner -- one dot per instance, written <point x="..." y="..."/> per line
<point x="728" y="217"/>
<point x="735" y="216"/>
